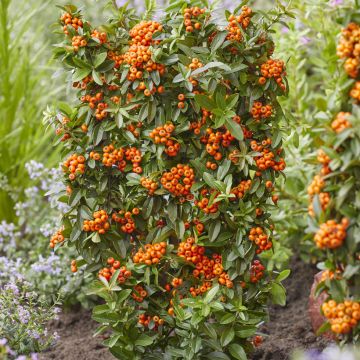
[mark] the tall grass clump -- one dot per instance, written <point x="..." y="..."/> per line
<point x="25" y="88"/>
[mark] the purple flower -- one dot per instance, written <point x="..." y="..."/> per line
<point x="34" y="356"/>
<point x="305" y="40"/>
<point x="336" y="2"/>
<point x="3" y="342"/>
<point x="34" y="334"/>
<point x="12" y="287"/>
<point x="24" y="315"/>
<point x="284" y="30"/>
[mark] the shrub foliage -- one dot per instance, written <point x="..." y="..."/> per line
<point x="171" y="157"/>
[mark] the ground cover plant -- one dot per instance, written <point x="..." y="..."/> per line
<point x="171" y="158"/>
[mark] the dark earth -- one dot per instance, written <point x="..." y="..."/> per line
<point x="289" y="327"/>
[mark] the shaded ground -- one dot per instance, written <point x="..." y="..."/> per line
<point x="289" y="327"/>
<point x="76" y="339"/>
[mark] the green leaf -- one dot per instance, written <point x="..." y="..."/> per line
<point x="227" y="336"/>
<point x="205" y="102"/>
<point x="211" y="294"/>
<point x="323" y="328"/>
<point x="237" y="351"/>
<point x="113" y="340"/>
<point x="218" y="40"/>
<point x="235" y="129"/>
<point x="283" y="275"/>
<point x="210" y="65"/>
<point x="278" y="294"/>
<point x="96" y="238"/>
<point x="227" y="319"/>
<point x="96" y="77"/>
<point x="144" y="340"/>
<point x="99" y="59"/>
<point x="217" y="355"/>
<point x="80" y="74"/>
<point x="223" y="169"/>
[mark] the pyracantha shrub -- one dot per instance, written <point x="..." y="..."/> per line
<point x="334" y="201"/>
<point x="171" y="158"/>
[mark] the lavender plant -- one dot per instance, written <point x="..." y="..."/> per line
<point x="24" y="247"/>
<point x="6" y="353"/>
<point x="23" y="317"/>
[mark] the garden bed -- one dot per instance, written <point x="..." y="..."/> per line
<point x="289" y="327"/>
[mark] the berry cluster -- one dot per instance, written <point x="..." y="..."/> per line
<point x="258" y="236"/>
<point x="161" y="135"/>
<point x="77" y="42"/>
<point x="191" y="252"/>
<point x="179" y="180"/>
<point x="213" y="140"/>
<point x="68" y="20"/>
<point x="99" y="224"/>
<point x="349" y="49"/>
<point x="139" y="54"/>
<point x="134" y="129"/>
<point x="195" y="64"/>
<point x="208" y="268"/>
<point x="211" y="166"/>
<point x="235" y="22"/>
<point x="120" y="157"/>
<point x="112" y="156"/>
<point x="125" y="219"/>
<point x="340" y="123"/>
<point x="329" y="274"/>
<point x="324" y="160"/>
<point x="145" y="320"/>
<point x="75" y="164"/>
<point x="196" y="125"/>
<point x="83" y="84"/>
<point x="57" y="238"/>
<point x="73" y="266"/>
<point x="95" y="102"/>
<point x="98" y="36"/>
<point x="113" y="266"/>
<point x="331" y="234"/>
<point x="176" y="282"/>
<point x="239" y="190"/>
<point x="198" y="225"/>
<point x="207" y="201"/>
<point x="149" y="184"/>
<point x="342" y="316"/>
<point x="256" y="271"/>
<point x="316" y="186"/>
<point x="61" y="128"/>
<point x="260" y="111"/>
<point x="266" y="159"/>
<point x="201" y="289"/>
<point x="273" y="69"/>
<point x="139" y="293"/>
<point x="152" y="254"/>
<point x="355" y="91"/>
<point x="324" y="199"/>
<point x="190" y="18"/>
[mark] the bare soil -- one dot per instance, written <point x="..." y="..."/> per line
<point x="289" y="327"/>
<point x="76" y="338"/>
